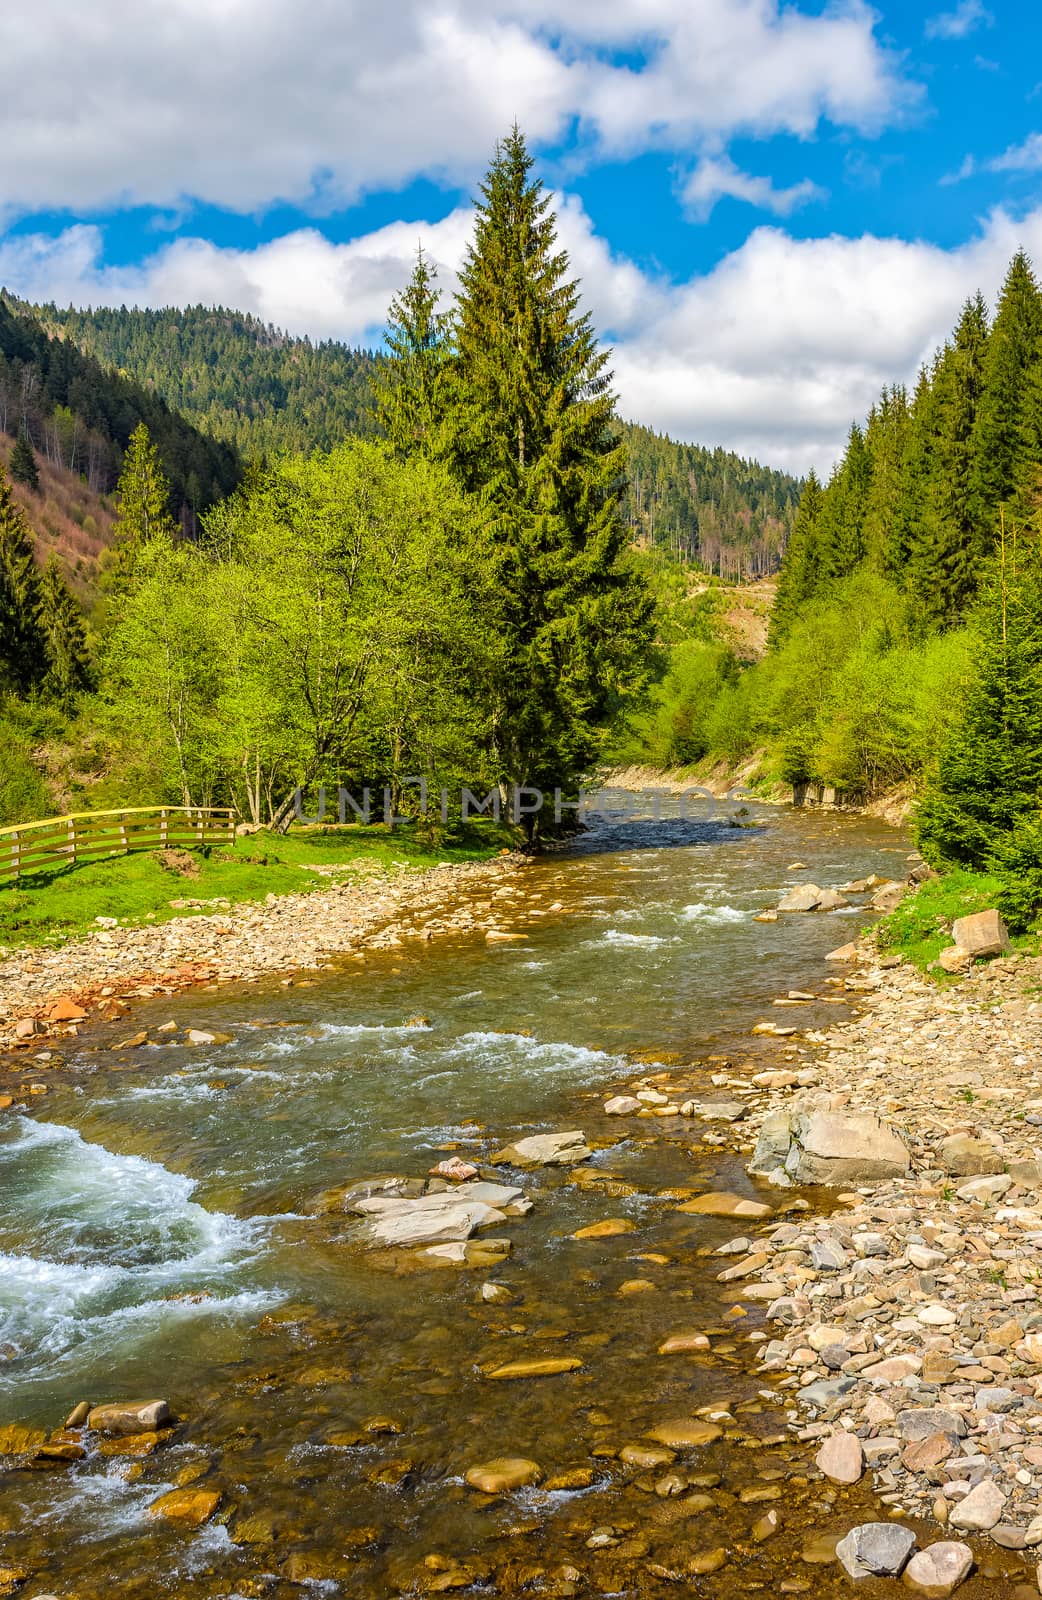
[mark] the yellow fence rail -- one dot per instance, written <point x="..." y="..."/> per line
<point x="64" y="841"/>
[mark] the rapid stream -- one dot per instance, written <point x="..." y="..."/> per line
<point x="159" y="1237"/>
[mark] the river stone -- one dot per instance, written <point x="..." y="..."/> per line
<point x="19" y="1441"/>
<point x="802" y="897"/>
<point x="129" y="1416"/>
<point x="622" y="1105"/>
<point x="830" y="1147"/>
<point x="938" y="1570"/>
<point x="443" y="1216"/>
<point x="545" y="1150"/>
<point x="981" y="1509"/>
<point x="824" y="1391"/>
<point x="503" y="1473"/>
<point x="841" y="1458"/>
<point x="687" y="1433"/>
<point x="984" y="934"/>
<point x="831" y="900"/>
<point x="844" y="952"/>
<point x="876" y="1549"/>
<point x="718" y="1203"/>
<point x="923" y="1421"/>
<point x="608" y="1229"/>
<point x="962" y="1156"/>
<point x="683" y="1343"/>
<point x="537" y="1367"/>
<point x="953" y="960"/>
<point x="981" y="1190"/>
<point x="192" y="1507"/>
<point x="646" y="1456"/>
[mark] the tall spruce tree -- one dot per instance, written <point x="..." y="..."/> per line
<point x="409" y="385"/>
<point x="989" y="778"/>
<point x="947" y="552"/>
<point x="798" y="575"/>
<point x="1028" y="498"/>
<point x="143" y="514"/>
<point x="531" y="432"/>
<point x="22" y="466"/>
<point x="23" y="659"/>
<point x="64" y="634"/>
<point x="886" y="439"/>
<point x="913" y="501"/>
<point x="1014" y="347"/>
<point x="841" y="524"/>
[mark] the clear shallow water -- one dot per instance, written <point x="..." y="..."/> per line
<point x="157" y="1233"/>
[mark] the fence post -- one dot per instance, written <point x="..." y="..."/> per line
<point x="72" y="840"/>
<point x="16" y="856"/>
<point x="123" y="833"/>
<point x="163" y="828"/>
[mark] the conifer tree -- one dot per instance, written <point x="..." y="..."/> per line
<point x="913" y="502"/>
<point x="22" y="466"/>
<point x="23" y="659"/>
<point x="409" y="385"/>
<point x="1014" y="346"/>
<point x="64" y="634"/>
<point x="947" y="551"/>
<point x="531" y="432"/>
<point x="841" y="524"/>
<point x="989" y="778"/>
<point x="886" y="440"/>
<point x="143" y="515"/>
<point x="1028" y="499"/>
<point x="797" y="579"/>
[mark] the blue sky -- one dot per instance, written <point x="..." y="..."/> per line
<point x="774" y="208"/>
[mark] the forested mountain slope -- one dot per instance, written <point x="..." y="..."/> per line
<point x="268" y="393"/>
<point x="78" y="414"/>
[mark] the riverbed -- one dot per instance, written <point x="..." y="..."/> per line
<point x="161" y="1234"/>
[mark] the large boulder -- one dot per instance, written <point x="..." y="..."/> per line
<point x="444" y="1216"/>
<point x="129" y="1416"/>
<point x="876" y="1549"/>
<point x="803" y="897"/>
<point x="984" y="934"/>
<point x="888" y="897"/>
<point x="963" y="1156"/>
<point x="545" y="1150"/>
<point x="830" y="1147"/>
<point x="939" y="1570"/>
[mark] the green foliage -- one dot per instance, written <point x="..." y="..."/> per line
<point x="64" y="635"/>
<point x="23" y="792"/>
<point x="143" y="515"/>
<point x="1018" y="863"/>
<point x="672" y="731"/>
<point x="331" y="631"/>
<point x="1013" y="351"/>
<point x="23" y="659"/>
<point x="989" y="776"/>
<point x="799" y="574"/>
<point x="22" y="465"/>
<point x="409" y="385"/>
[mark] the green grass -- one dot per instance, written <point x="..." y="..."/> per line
<point x="49" y="907"/>
<point x="921" y="927"/>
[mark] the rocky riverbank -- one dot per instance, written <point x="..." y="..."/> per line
<point x="54" y="992"/>
<point x="905" y="1325"/>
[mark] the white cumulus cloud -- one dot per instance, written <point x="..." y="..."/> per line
<point x="967" y="17"/>
<point x="717" y="178"/>
<point x="242" y="103"/>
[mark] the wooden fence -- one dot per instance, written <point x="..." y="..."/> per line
<point x="62" y="841"/>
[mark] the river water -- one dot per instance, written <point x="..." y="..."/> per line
<point x="159" y="1236"/>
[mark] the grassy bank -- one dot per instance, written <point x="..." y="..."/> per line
<point x="48" y="907"/>
<point x="921" y="927"/>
